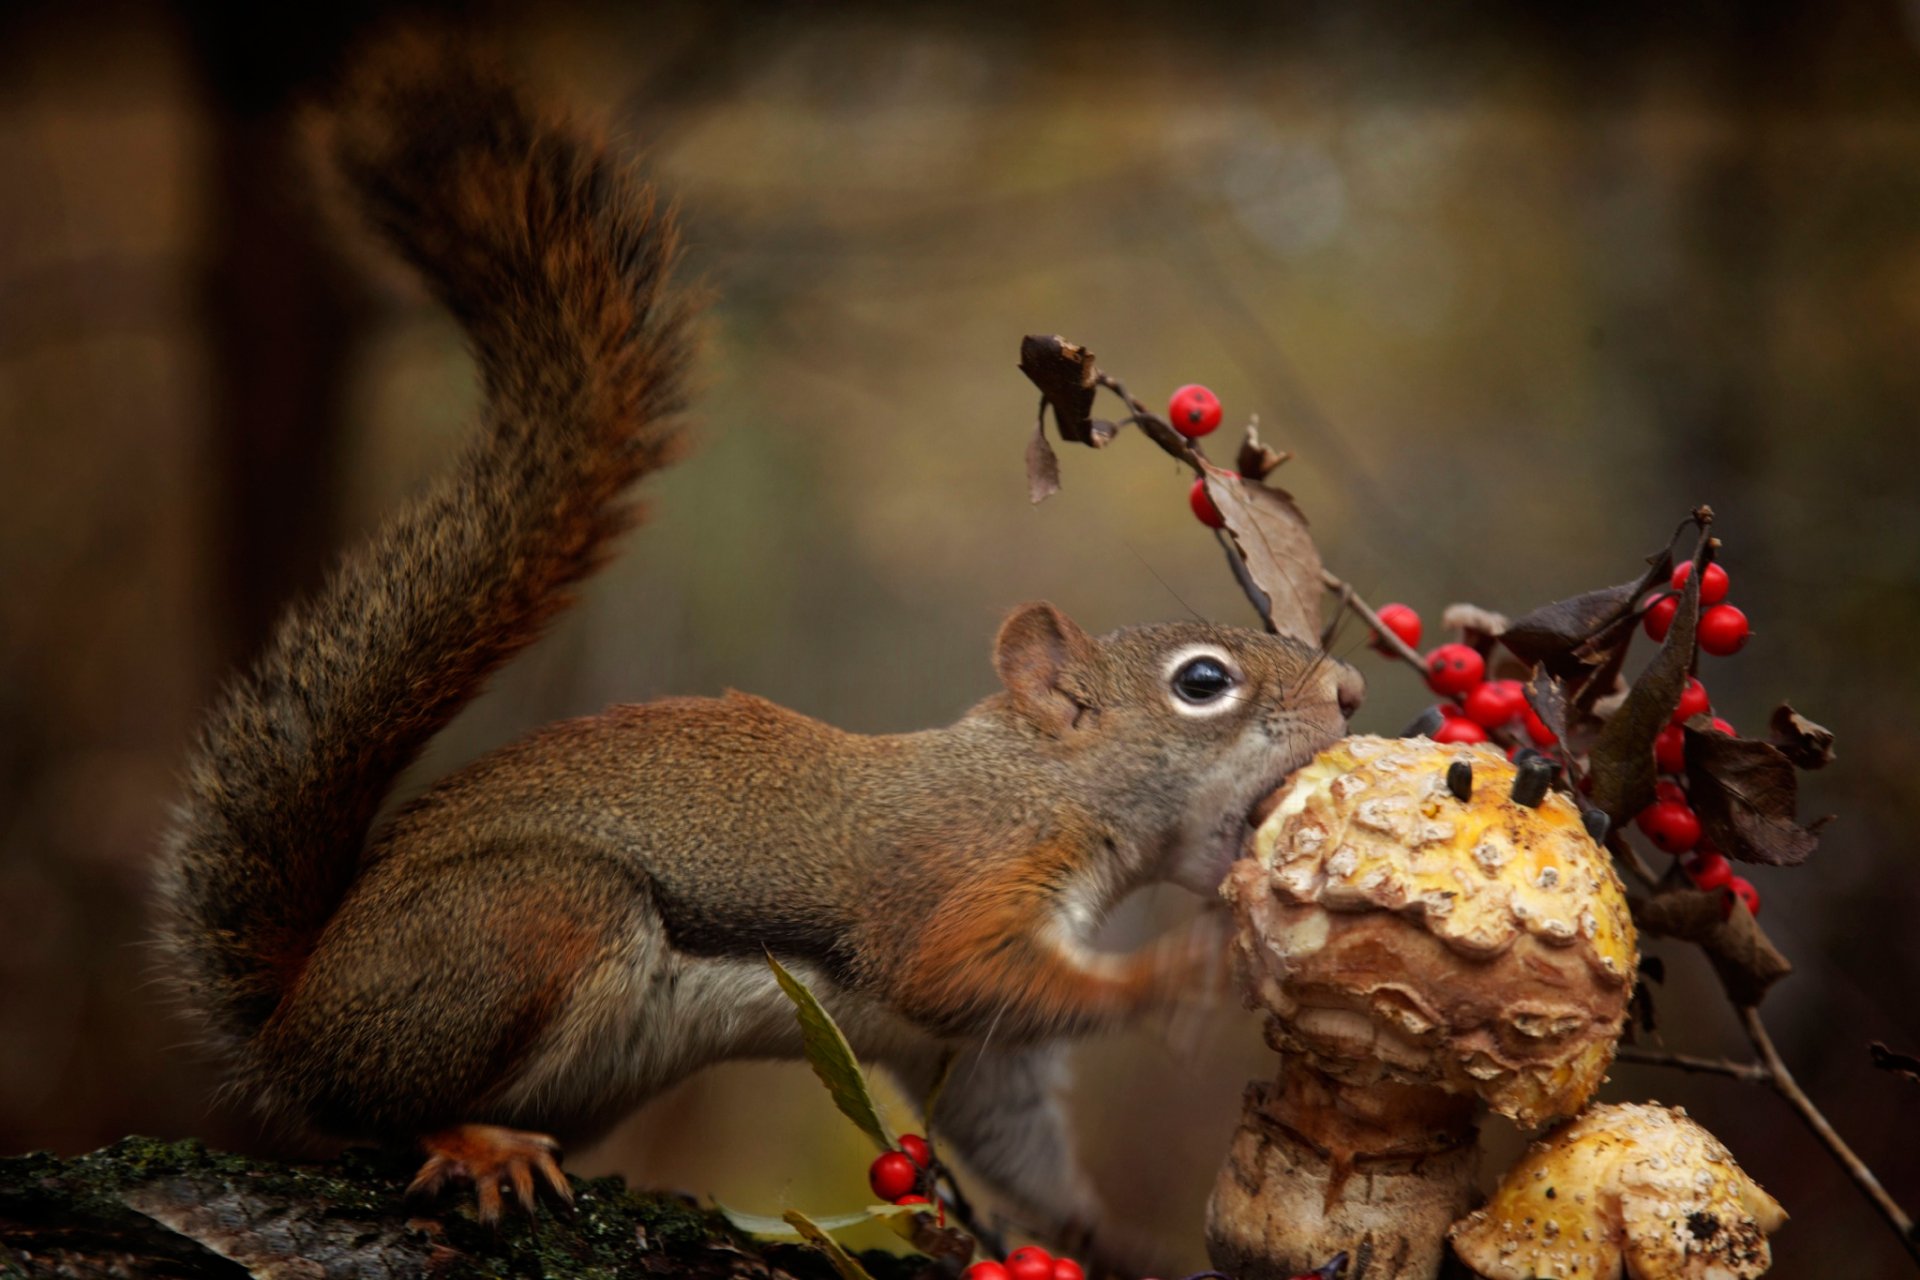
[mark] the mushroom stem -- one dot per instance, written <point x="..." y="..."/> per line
<point x="1318" y="1166"/>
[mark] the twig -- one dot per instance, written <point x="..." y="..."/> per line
<point x="1783" y="1084"/>
<point x="1750" y="1072"/>
<point x="1394" y="644"/>
<point x="1630" y="856"/>
<point x="1149" y="422"/>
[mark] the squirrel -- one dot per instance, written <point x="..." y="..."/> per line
<point x="551" y="935"/>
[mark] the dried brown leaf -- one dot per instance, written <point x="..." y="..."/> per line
<point x="1065" y="374"/>
<point x="1621" y="759"/>
<point x="1280" y="555"/>
<point x="1901" y="1064"/>
<point x="1255" y="460"/>
<point x="1043" y="466"/>
<point x="1745" y="960"/>
<point x="1570" y="635"/>
<point x="1744" y="792"/>
<point x="1548" y="698"/>
<point x="1808" y="745"/>
<point x="1474" y="622"/>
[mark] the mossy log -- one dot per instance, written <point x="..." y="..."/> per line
<point x="143" y="1208"/>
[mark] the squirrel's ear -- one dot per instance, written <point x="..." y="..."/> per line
<point x="1035" y="649"/>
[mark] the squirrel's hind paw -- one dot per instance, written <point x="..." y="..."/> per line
<point x="488" y="1156"/>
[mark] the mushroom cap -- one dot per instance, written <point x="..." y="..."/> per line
<point x="1643" y="1186"/>
<point x="1394" y="931"/>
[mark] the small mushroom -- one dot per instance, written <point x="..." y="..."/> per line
<point x="1626" y="1185"/>
<point x="1417" y="954"/>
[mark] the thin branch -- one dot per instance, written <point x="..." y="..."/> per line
<point x="1748" y="1072"/>
<point x="1617" y="845"/>
<point x="1150" y="423"/>
<point x="1783" y="1084"/>
<point x="1394" y="644"/>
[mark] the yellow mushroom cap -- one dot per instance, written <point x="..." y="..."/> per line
<point x="1395" y="931"/>
<point x="1640" y="1186"/>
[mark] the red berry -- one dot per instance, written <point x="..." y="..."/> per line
<point x="1193" y="410"/>
<point x="1664" y="790"/>
<point x="1455" y="668"/>
<point x="892" y="1176"/>
<point x="1693" y="701"/>
<point x="1674" y="827"/>
<point x="1721" y="726"/>
<point x="1402" y="621"/>
<point x="1495" y="702"/>
<point x="1539" y="730"/>
<point x="1068" y="1269"/>
<point x="1670" y="749"/>
<point x="1030" y="1262"/>
<point x="985" y="1271"/>
<point x="1713" y="587"/>
<point x="1659" y="616"/>
<point x="1723" y="630"/>
<point x="1202" y="503"/>
<point x="1739" y="888"/>
<point x="1707" y="869"/>
<point x="917" y="1150"/>
<point x="913" y="1200"/>
<point x="1452" y="710"/>
<point x="1459" y="729"/>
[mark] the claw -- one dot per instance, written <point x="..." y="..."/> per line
<point x="488" y="1156"/>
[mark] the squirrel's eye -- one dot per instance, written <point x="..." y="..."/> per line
<point x="1201" y="680"/>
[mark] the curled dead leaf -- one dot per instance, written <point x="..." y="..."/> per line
<point x="1808" y="745"/>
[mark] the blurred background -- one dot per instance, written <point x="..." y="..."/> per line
<point x="1520" y="284"/>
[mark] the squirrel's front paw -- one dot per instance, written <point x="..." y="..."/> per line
<point x="489" y="1157"/>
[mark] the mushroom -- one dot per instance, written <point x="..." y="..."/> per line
<point x="1417" y="954"/>
<point x="1630" y="1184"/>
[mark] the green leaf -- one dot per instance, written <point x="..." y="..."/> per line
<point x="810" y="1231"/>
<point x="831" y="1058"/>
<point x="760" y="1224"/>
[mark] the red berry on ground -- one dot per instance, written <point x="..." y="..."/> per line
<point x="917" y="1150"/>
<point x="1693" y="702"/>
<point x="892" y="1175"/>
<point x="1068" y="1269"/>
<point x="1721" y="726"/>
<point x="1203" y="509"/>
<point x="1670" y="749"/>
<point x="1537" y="729"/>
<point x="1193" y="410"/>
<point x="1674" y="827"/>
<point x="1713" y="587"/>
<point x="1459" y="729"/>
<point x="1455" y="668"/>
<point x="985" y="1271"/>
<point x="1664" y="790"/>
<point x="1739" y="888"/>
<point x="1658" y="618"/>
<point x="1707" y="869"/>
<point x="1723" y="630"/>
<point x="1030" y="1262"/>
<point x="1402" y="621"/>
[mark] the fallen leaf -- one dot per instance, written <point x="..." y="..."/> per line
<point x="1808" y="745"/>
<point x="1744" y="792"/>
<point x="1279" y="552"/>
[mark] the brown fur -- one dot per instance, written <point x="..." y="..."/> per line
<point x="570" y="924"/>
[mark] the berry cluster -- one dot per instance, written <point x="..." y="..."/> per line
<point x="903" y="1176"/>
<point x="1723" y="629"/>
<point x="1028" y="1263"/>
<point x="1474" y="708"/>
<point x="1194" y="411"/>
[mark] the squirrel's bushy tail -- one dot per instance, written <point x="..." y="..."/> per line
<point x="555" y="260"/>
